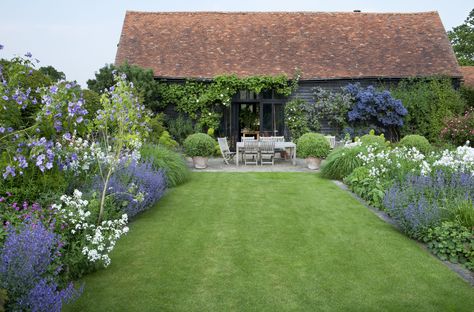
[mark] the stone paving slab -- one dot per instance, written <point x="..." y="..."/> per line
<point x="218" y="165"/>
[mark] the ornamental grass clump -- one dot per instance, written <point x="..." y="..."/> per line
<point x="417" y="141"/>
<point x="172" y="163"/>
<point x="341" y="162"/>
<point x="199" y="145"/>
<point x="313" y="145"/>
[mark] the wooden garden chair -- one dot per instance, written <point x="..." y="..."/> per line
<point x="267" y="153"/>
<point x="225" y="151"/>
<point x="250" y="154"/>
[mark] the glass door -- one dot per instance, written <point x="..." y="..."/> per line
<point x="272" y="117"/>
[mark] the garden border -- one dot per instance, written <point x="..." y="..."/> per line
<point x="464" y="273"/>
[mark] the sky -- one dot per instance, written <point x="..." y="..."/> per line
<point x="80" y="37"/>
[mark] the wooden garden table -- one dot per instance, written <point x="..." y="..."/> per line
<point x="278" y="145"/>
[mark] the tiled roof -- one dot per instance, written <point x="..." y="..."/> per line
<point x="468" y="75"/>
<point x="322" y="45"/>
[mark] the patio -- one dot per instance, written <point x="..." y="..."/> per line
<point x="216" y="164"/>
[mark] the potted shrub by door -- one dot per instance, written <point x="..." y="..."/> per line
<point x="314" y="147"/>
<point x="199" y="146"/>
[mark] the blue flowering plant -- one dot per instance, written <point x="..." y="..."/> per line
<point x="421" y="202"/>
<point x="19" y="93"/>
<point x="29" y="269"/>
<point x="37" y="127"/>
<point x="374" y="109"/>
<point x="136" y="187"/>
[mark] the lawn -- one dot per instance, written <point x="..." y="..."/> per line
<point x="269" y="242"/>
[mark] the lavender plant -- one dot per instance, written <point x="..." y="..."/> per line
<point x="29" y="263"/>
<point x="137" y="187"/>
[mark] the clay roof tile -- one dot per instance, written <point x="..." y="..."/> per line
<point x="322" y="45"/>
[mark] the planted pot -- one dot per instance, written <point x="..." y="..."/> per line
<point x="313" y="163"/>
<point x="199" y="146"/>
<point x="313" y="147"/>
<point x="200" y="162"/>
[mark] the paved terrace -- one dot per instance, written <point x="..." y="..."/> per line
<point x="216" y="164"/>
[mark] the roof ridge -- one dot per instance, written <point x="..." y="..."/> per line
<point x="279" y="12"/>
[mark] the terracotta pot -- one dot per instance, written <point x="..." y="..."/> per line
<point x="313" y="163"/>
<point x="200" y="162"/>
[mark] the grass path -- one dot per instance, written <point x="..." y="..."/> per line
<point x="269" y="242"/>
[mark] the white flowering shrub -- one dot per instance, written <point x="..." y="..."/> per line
<point x="459" y="160"/>
<point x="388" y="164"/>
<point x="97" y="241"/>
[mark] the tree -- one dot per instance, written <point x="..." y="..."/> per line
<point x="462" y="39"/>
<point x="143" y="80"/>
<point x="123" y="124"/>
<point x="52" y="73"/>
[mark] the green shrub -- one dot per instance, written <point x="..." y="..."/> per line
<point x="199" y="144"/>
<point x="91" y="102"/>
<point x="180" y="128"/>
<point x="368" y="188"/>
<point x="372" y="139"/>
<point x="467" y="93"/>
<point x="210" y="132"/>
<point x="313" y="145"/>
<point x="429" y="102"/>
<point x="167" y="141"/>
<point x="157" y="127"/>
<point x="171" y="162"/>
<point x="452" y="242"/>
<point x="341" y="162"/>
<point x="296" y="118"/>
<point x="217" y="150"/>
<point x="417" y="141"/>
<point x="37" y="187"/>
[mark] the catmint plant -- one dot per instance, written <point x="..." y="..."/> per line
<point x="29" y="264"/>
<point x="137" y="187"/>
